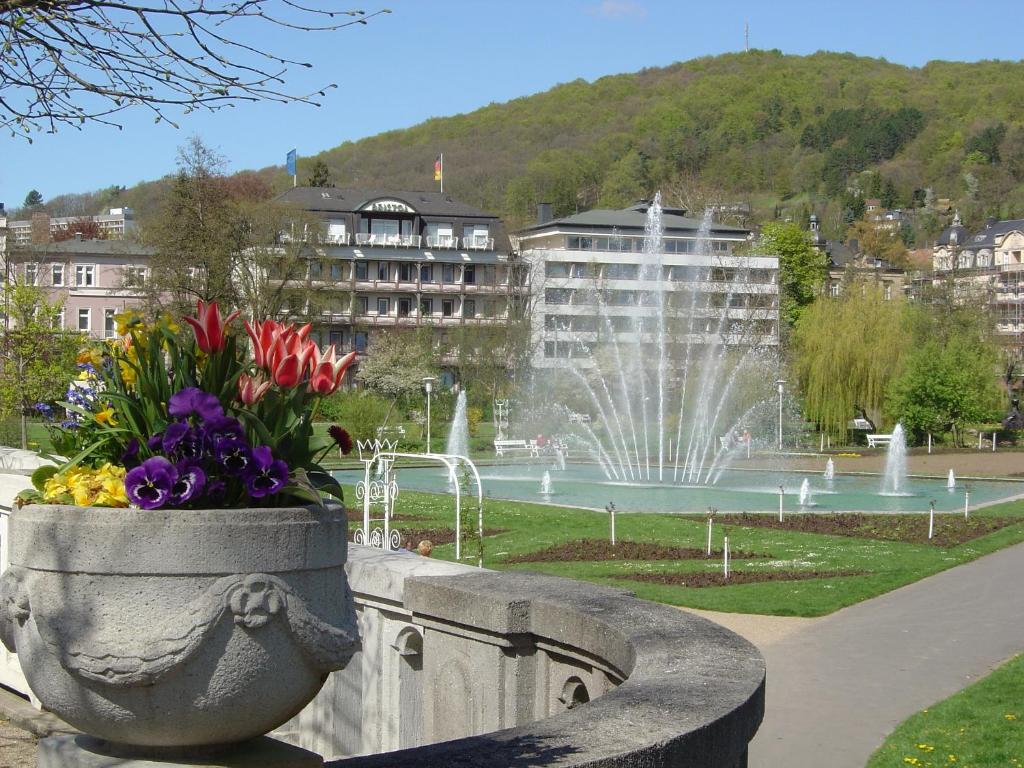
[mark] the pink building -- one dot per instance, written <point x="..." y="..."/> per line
<point x="97" y="279"/>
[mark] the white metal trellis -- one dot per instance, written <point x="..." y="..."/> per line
<point x="379" y="490"/>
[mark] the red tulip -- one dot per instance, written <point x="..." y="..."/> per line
<point x="209" y="327"/>
<point x="326" y="371"/>
<point x="251" y="389"/>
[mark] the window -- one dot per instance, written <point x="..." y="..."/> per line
<point x="109" y="326"/>
<point x="360" y="341"/>
<point x="448" y="273"/>
<point x="407" y="272"/>
<point x="134" y="277"/>
<point x="57" y="275"/>
<point x="469" y="308"/>
<point x="556" y="269"/>
<point x="578" y="270"/>
<point x="383" y="306"/>
<point x="888" y="291"/>
<point x="404" y="307"/>
<point x="58" y="322"/>
<point x="85" y="275"/>
<point x="557" y="296"/>
<point x="383" y="270"/>
<point x="31" y="274"/>
<point x="336" y="231"/>
<point x="833" y="290"/>
<point x="469" y="274"/>
<point x="316" y="270"/>
<point x="622" y="271"/>
<point x="426" y="307"/>
<point x="361" y="270"/>
<point x="84" y="320"/>
<point x="336" y="270"/>
<point x="447" y="307"/>
<point x="440" y="235"/>
<point x="427" y="273"/>
<point x="362" y="305"/>
<point x="338" y="339"/>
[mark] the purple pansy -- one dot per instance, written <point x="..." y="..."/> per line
<point x="234" y="455"/>
<point x="155" y="441"/>
<point x="266" y="474"/>
<point x="189" y="485"/>
<point x="130" y="457"/>
<point x="193" y="400"/>
<point x="173" y="435"/>
<point x="150" y="484"/>
<point x="222" y="428"/>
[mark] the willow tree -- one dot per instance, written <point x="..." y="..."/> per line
<point x="845" y="352"/>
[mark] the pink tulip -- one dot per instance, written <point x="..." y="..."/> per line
<point x="326" y="371"/>
<point x="209" y="327"/>
<point x="251" y="389"/>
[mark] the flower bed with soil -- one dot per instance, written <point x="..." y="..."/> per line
<point x="598" y="549"/>
<point x="950" y="530"/>
<point x="716" y="579"/>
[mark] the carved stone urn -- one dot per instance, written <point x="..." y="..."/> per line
<point x="177" y="629"/>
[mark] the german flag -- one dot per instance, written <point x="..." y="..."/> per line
<point x="438" y="167"/>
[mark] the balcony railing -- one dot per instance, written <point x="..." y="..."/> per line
<point x="478" y="243"/>
<point x="393" y="241"/>
<point x="336" y="239"/>
<point x="442" y="241"/>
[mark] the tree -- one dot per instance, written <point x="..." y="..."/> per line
<point x="801" y="267"/>
<point x="33" y="199"/>
<point x="320" y="176"/>
<point x="877" y="242"/>
<point x="845" y="351"/>
<point x="396" y="363"/>
<point x="37" y="355"/>
<point x="945" y="386"/>
<point x="69" y="62"/>
<point x="87" y="229"/>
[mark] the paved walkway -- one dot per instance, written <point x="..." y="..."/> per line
<point x="838" y="685"/>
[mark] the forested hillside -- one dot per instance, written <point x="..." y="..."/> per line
<point x="786" y="134"/>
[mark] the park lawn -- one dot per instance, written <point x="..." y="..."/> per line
<point x="982" y="725"/>
<point x="885" y="565"/>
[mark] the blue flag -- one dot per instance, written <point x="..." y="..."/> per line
<point x="290" y="162"/>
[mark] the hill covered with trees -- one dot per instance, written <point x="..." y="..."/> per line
<point x="786" y="134"/>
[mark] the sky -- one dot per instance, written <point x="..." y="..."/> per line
<point x="430" y="58"/>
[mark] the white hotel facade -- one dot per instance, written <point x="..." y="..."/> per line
<point x="589" y="266"/>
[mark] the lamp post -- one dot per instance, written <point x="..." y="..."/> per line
<point x="428" y="385"/>
<point x="779" y="383"/>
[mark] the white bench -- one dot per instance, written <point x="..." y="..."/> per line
<point x="501" y="446"/>
<point x="874" y="441"/>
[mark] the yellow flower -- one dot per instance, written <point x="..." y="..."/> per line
<point x="89" y="487"/>
<point x="128" y="320"/>
<point x="90" y="355"/>
<point x="106" y="416"/>
<point x="1010" y="717"/>
<point x="911" y="761"/>
<point x="926" y="747"/>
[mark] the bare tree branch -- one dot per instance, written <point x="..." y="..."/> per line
<point x="70" y="62"/>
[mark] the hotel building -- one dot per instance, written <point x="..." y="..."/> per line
<point x="401" y="259"/>
<point x="590" y="265"/>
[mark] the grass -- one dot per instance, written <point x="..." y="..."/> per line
<point x="886" y="564"/>
<point x="982" y="725"/>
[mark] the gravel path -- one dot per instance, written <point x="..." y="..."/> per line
<point x="17" y="747"/>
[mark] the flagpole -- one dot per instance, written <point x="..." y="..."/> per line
<point x="442" y="173"/>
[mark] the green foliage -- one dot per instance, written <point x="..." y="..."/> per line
<point x="37" y="355"/>
<point x="801" y="267"/>
<point x="396" y="364"/>
<point x="33" y="198"/>
<point x="360" y="411"/>
<point x="946" y="385"/>
<point x="320" y="176"/>
<point x="986" y="143"/>
<point x="845" y="351"/>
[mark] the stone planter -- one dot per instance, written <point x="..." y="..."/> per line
<point x="179" y="628"/>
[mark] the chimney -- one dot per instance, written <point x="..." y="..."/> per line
<point x="544" y="214"/>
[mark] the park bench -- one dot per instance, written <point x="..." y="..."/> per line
<point x="875" y="441"/>
<point x="503" y="446"/>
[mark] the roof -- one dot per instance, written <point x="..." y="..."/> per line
<point x="92" y="248"/>
<point x="986" y="238"/>
<point x="335" y="200"/>
<point x="632" y="219"/>
<point x="946" y="235"/>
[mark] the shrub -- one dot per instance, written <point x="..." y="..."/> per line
<point x="358" y="411"/>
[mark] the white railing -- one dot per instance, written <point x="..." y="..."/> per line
<point x="336" y="239"/>
<point x="442" y="241"/>
<point x="401" y="241"/>
<point x="478" y="242"/>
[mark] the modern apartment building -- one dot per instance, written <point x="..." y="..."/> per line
<point x="97" y="279"/>
<point x="40" y="228"/>
<point x="402" y="259"/>
<point x="591" y="266"/>
<point x="987" y="268"/>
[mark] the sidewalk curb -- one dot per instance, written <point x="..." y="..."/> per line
<point x="23" y="715"/>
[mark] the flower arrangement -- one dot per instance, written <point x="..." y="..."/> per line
<point x="166" y="417"/>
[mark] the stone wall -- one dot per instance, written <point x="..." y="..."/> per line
<point x="467" y="666"/>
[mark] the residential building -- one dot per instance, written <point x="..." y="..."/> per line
<point x="846" y="261"/>
<point x="402" y="259"/>
<point x="987" y="268"/>
<point x="41" y="228"/>
<point x="96" y="279"/>
<point x="590" y="266"/>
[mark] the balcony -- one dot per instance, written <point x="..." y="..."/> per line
<point x="388" y="241"/>
<point x="478" y="243"/>
<point x="336" y="239"/>
<point x="442" y="241"/>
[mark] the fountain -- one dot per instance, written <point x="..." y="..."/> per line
<point x="951" y="482"/>
<point x="806" y="500"/>
<point x="830" y="470"/>
<point x="560" y="459"/>
<point x="545" y="484"/>
<point x="692" y="347"/>
<point x="458" y="435"/>
<point x="895" y="479"/>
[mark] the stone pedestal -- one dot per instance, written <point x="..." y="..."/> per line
<point x="79" y="751"/>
